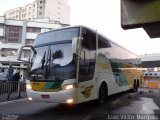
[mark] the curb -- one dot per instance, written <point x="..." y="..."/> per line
<point x="13" y="101"/>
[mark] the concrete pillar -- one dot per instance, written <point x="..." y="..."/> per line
<point x="24" y="31"/>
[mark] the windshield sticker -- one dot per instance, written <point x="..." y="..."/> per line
<point x="46" y="86"/>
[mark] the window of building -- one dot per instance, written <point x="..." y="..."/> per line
<point x="29" y="19"/>
<point x="1" y="26"/>
<point x="33" y="30"/>
<point x="40" y="2"/>
<point x="40" y="13"/>
<point x="29" y="13"/>
<point x="13" y="12"/>
<point x="40" y="7"/>
<point x="1" y="39"/>
<point x="29" y="41"/>
<point x="23" y="15"/>
<point x="8" y="52"/>
<point x="13" y="34"/>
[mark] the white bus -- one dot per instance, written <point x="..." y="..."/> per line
<point x="77" y="64"/>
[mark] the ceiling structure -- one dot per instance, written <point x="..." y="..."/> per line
<point x="141" y="14"/>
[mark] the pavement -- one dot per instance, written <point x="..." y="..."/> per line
<point x="13" y="96"/>
<point x="141" y="105"/>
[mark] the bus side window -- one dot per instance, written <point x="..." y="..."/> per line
<point x="88" y="54"/>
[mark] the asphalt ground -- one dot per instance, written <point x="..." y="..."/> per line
<point x="141" y="105"/>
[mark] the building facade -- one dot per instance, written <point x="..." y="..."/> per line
<point x="151" y="79"/>
<point x="15" y="33"/>
<point x="55" y="10"/>
<point x="151" y="70"/>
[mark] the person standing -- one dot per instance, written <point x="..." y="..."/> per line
<point x="3" y="75"/>
<point x="10" y="77"/>
<point x="17" y="78"/>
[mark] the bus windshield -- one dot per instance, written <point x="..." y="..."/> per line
<point x="53" y="62"/>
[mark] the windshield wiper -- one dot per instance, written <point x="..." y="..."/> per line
<point x="43" y="60"/>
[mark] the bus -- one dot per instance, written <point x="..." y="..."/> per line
<point x="76" y="64"/>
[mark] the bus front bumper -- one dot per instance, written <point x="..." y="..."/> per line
<point x="62" y="96"/>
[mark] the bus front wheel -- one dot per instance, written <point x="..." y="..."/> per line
<point x="102" y="94"/>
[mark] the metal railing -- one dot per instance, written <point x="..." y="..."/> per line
<point x="12" y="90"/>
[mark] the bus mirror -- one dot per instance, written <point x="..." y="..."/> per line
<point x="76" y="44"/>
<point x="22" y="53"/>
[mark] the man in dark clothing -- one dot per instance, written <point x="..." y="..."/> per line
<point x="17" y="76"/>
<point x="10" y="77"/>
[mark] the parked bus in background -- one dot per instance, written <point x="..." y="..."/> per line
<point x="77" y="64"/>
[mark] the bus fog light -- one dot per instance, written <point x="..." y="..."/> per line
<point x="69" y="101"/>
<point x="30" y="98"/>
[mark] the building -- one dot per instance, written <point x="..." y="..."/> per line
<point x="151" y="79"/>
<point x="55" y="10"/>
<point x="151" y="70"/>
<point x="15" y="33"/>
<point x="151" y="61"/>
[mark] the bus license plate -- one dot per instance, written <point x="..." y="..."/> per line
<point x="45" y="96"/>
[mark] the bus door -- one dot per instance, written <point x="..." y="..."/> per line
<point x="87" y="86"/>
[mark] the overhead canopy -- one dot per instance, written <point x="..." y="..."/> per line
<point x="141" y="13"/>
<point x="150" y="64"/>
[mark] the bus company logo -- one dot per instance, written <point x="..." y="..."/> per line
<point x="104" y="66"/>
<point x="36" y="83"/>
<point x="87" y="91"/>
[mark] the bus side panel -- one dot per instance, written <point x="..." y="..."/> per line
<point x="104" y="73"/>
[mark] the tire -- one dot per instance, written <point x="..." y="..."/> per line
<point x="102" y="94"/>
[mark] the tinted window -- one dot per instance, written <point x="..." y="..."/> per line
<point x="88" y="54"/>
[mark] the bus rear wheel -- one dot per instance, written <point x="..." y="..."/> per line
<point x="102" y="94"/>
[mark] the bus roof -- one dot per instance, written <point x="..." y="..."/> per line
<point x="94" y="31"/>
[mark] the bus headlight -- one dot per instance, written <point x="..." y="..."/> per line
<point x="68" y="86"/>
<point x="69" y="101"/>
<point x="28" y="86"/>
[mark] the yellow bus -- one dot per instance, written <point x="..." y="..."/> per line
<point x="77" y="64"/>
